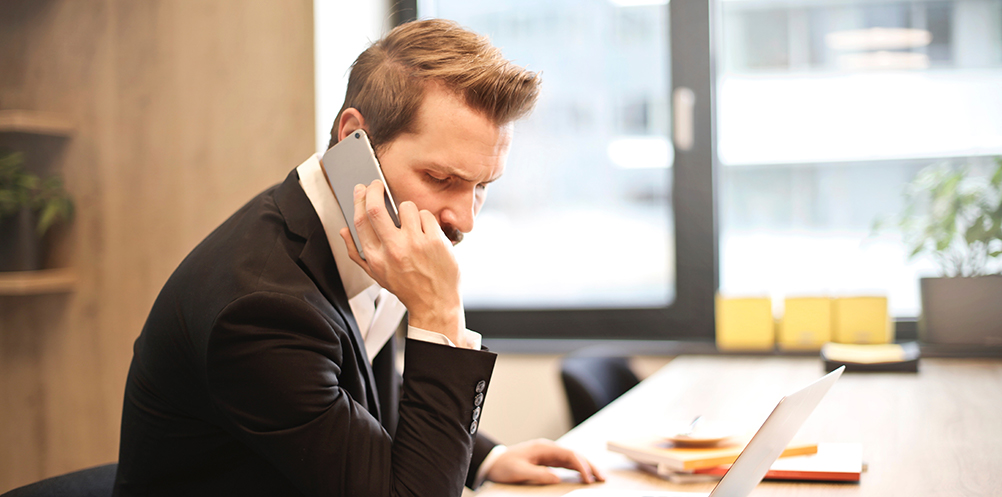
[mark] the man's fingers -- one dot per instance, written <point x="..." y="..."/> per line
<point x="539" y="475"/>
<point x="554" y="455"/>
<point x="366" y="236"/>
<point x="594" y="471"/>
<point x="410" y="218"/>
<point x="375" y="210"/>
<point x="579" y="464"/>
<point x="429" y="224"/>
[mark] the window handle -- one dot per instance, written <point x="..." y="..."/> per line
<point x="683" y="104"/>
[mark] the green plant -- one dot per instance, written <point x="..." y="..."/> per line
<point x="955" y="216"/>
<point x="19" y="189"/>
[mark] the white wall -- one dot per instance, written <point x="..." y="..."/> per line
<point x="342" y="30"/>
<point x="526" y="399"/>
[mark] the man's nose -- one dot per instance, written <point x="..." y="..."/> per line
<point x="460" y="213"/>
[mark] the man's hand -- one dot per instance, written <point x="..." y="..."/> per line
<point x="415" y="262"/>
<point x="527" y="463"/>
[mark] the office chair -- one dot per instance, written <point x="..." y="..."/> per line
<point x="591" y="383"/>
<point x="92" y="482"/>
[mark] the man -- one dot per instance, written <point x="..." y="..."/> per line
<point x="266" y="366"/>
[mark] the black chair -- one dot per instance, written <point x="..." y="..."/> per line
<point x="92" y="482"/>
<point x="592" y="382"/>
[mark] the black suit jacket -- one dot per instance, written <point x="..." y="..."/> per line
<point x="250" y="378"/>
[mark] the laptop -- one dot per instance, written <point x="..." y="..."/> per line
<point x="764" y="448"/>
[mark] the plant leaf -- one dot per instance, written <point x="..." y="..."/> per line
<point x="46" y="217"/>
<point x="996" y="180"/>
<point x="975" y="233"/>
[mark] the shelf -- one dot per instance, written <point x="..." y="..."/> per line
<point x="45" y="281"/>
<point x="34" y="122"/>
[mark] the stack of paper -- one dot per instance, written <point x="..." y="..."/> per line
<point x="800" y="461"/>
<point x="832" y="462"/>
<point x="902" y="357"/>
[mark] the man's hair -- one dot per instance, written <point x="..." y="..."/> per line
<point x="388" y="80"/>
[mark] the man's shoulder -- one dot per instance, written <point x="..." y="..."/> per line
<point x="251" y="249"/>
<point x="255" y="251"/>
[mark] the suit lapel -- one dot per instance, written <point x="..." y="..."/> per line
<point x="317" y="260"/>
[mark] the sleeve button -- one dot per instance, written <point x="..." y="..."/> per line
<point x="479" y="399"/>
<point x="481" y="385"/>
<point x="473" y="427"/>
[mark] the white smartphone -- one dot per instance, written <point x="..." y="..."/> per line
<point x="351" y="162"/>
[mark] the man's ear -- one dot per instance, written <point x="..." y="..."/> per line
<point x="351" y="120"/>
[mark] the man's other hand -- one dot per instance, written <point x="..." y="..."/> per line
<point x="529" y="462"/>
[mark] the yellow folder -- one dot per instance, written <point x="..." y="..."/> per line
<point x="806" y="323"/>
<point x="861" y="320"/>
<point x="745" y="323"/>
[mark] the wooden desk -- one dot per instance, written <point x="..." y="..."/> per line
<point x="938" y="432"/>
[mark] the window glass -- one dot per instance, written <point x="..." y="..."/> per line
<point x="582" y="216"/>
<point x="825" y="110"/>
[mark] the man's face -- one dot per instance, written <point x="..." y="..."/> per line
<point x="445" y="165"/>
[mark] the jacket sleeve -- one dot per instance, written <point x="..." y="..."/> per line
<point x="277" y="368"/>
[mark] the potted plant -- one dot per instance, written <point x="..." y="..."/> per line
<point x="954" y="216"/>
<point x="29" y="206"/>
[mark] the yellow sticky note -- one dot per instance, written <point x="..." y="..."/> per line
<point x="745" y="324"/>
<point x="806" y="323"/>
<point x="861" y="320"/>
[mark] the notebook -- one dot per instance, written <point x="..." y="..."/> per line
<point x="764" y="448"/>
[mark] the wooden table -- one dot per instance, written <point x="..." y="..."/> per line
<point x="938" y="432"/>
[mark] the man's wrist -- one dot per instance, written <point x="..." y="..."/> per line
<point x="488" y="463"/>
<point x="450" y="323"/>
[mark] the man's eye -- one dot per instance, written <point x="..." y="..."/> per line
<point x="436" y="180"/>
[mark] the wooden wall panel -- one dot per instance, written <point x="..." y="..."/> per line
<point x="184" y="109"/>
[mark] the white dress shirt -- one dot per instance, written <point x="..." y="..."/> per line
<point x="377" y="311"/>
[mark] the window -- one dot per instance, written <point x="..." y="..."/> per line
<point x="825" y="110"/>
<point x="808" y="119"/>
